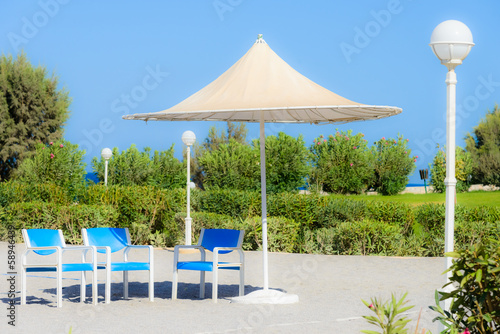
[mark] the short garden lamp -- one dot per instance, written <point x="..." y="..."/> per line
<point x="451" y="42"/>
<point x="106" y="154"/>
<point x="188" y="138"/>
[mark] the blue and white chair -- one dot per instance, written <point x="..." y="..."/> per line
<point x="218" y="241"/>
<point x="109" y="240"/>
<point x="44" y="250"/>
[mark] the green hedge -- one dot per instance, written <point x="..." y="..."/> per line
<point x="70" y="219"/>
<point x="296" y="223"/>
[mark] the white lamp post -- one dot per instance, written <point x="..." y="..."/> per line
<point x="451" y="42"/>
<point x="106" y="154"/>
<point x="188" y="138"/>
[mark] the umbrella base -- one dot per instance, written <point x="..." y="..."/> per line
<point x="266" y="297"/>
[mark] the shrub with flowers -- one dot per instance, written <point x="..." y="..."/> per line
<point x="58" y="162"/>
<point x="342" y="163"/>
<point x="393" y="163"/>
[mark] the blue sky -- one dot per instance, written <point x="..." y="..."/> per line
<point x="121" y="57"/>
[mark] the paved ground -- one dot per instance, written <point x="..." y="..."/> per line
<point x="330" y="289"/>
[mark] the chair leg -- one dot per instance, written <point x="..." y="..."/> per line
<point x="83" y="287"/>
<point x="59" y="287"/>
<point x="151" y="286"/>
<point x="95" y="285"/>
<point x="174" y="284"/>
<point x="242" y="281"/>
<point x="23" y="286"/>
<point x="215" y="284"/>
<point x="107" y="286"/>
<point x="202" y="284"/>
<point x="125" y="284"/>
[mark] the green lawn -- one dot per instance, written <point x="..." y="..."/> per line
<point x="471" y="199"/>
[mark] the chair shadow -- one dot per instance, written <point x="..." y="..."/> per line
<point x="163" y="290"/>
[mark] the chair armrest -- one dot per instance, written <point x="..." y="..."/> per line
<point x="178" y="247"/>
<point x="217" y="249"/>
<point x="57" y="248"/>
<point x="130" y="247"/>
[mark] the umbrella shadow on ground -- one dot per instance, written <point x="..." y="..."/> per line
<point x="192" y="290"/>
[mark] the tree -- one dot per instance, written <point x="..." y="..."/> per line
<point x="58" y="162"/>
<point x="342" y="163"/>
<point x="484" y="147"/>
<point x="393" y="164"/>
<point x="32" y="110"/>
<point x="463" y="170"/>
<point x="237" y="132"/>
<point x="287" y="162"/>
<point x="231" y="166"/>
<point x="132" y="167"/>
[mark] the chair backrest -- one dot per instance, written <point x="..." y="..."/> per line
<point x="115" y="238"/>
<point x="43" y="238"/>
<point x="211" y="238"/>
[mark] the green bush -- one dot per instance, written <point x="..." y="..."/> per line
<point x="59" y="162"/>
<point x="355" y="238"/>
<point x="70" y="219"/>
<point x="234" y="203"/>
<point x="287" y="162"/>
<point x="16" y="192"/>
<point x="401" y="214"/>
<point x="342" y="163"/>
<point x="131" y="167"/>
<point x="231" y="166"/>
<point x="339" y="210"/>
<point x="300" y="208"/>
<point x="463" y="170"/>
<point x="393" y="164"/>
<point x="282" y="233"/>
<point x="475" y="290"/>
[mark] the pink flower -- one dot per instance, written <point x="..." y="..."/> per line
<point x="416" y="156"/>
<point x="52" y="155"/>
<point x="362" y="135"/>
<point x="43" y="148"/>
<point x="383" y="138"/>
<point x="347" y="138"/>
<point x="334" y="139"/>
<point x="406" y="152"/>
<point x="370" y="306"/>
<point x="354" y="147"/>
<point x="407" y="140"/>
<point x="466" y="331"/>
<point x="51" y="143"/>
<point x="324" y="140"/>
<point x="319" y="143"/>
<point x="330" y="136"/>
<point x="351" y="164"/>
<point x="321" y="136"/>
<point x="61" y="145"/>
<point x="414" y="160"/>
<point x="394" y="142"/>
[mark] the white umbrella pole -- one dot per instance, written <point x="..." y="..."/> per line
<point x="264" y="199"/>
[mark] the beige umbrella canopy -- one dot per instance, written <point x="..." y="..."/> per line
<point x="261" y="87"/>
<point x="261" y="82"/>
